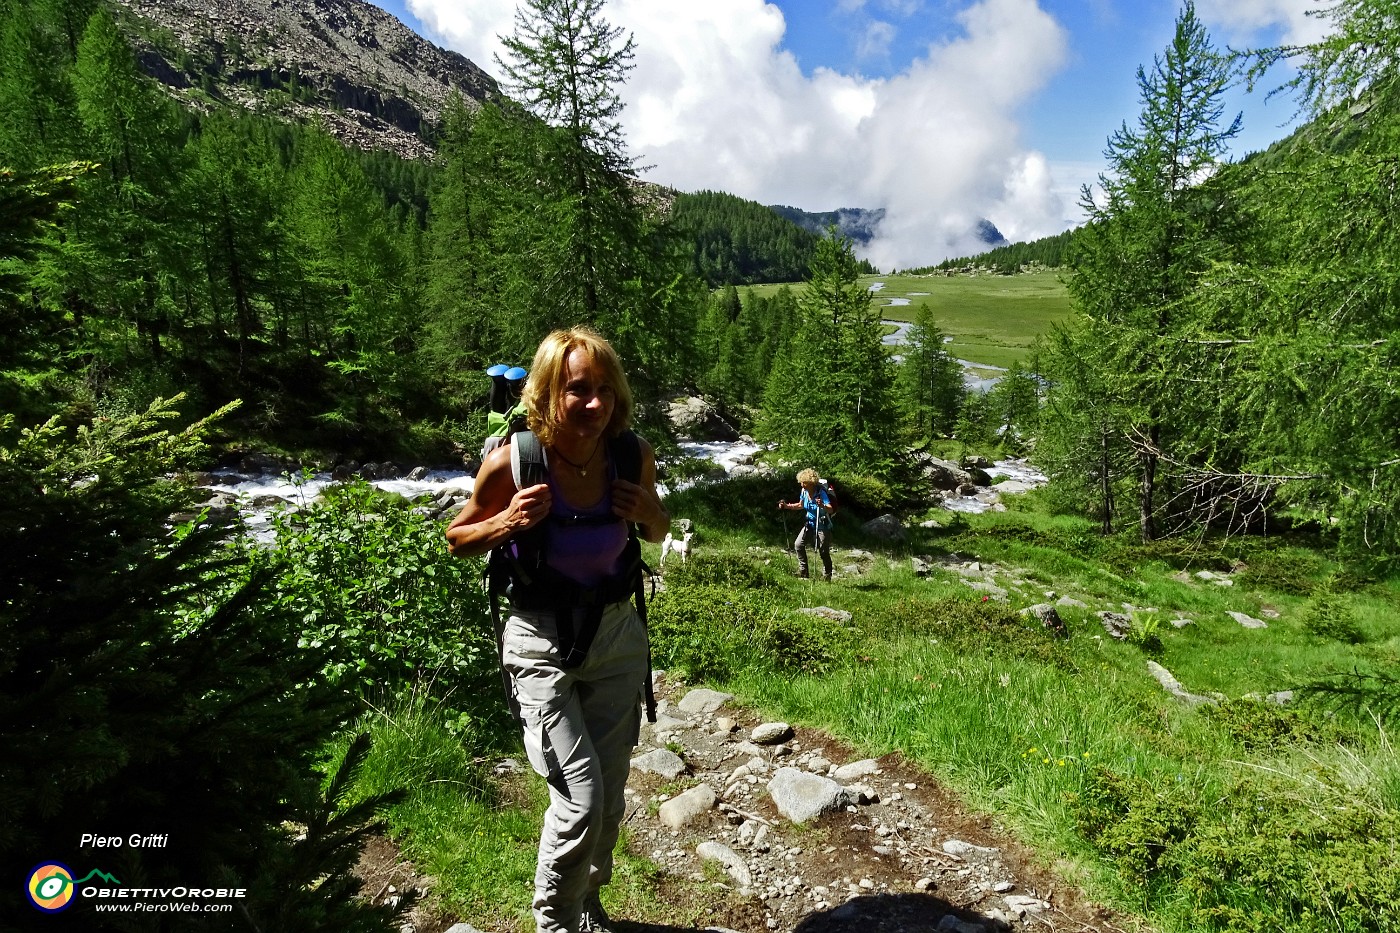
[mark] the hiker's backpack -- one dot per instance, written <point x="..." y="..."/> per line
<point x="518" y="570"/>
<point x="830" y="491"/>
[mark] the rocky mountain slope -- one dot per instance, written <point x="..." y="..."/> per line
<point x="374" y="83"/>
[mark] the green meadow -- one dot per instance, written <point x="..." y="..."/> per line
<point x="993" y="320"/>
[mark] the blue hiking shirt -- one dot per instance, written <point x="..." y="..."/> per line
<point x="815" y="514"/>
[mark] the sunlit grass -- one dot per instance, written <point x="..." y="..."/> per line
<point x="993" y="320"/>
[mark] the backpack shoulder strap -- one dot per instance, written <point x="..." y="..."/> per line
<point x="527" y="462"/>
<point x="626" y="450"/>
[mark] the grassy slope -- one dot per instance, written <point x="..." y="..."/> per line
<point x="993" y="319"/>
<point x="1018" y="723"/>
<point x="1020" y="727"/>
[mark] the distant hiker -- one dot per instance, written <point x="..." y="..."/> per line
<point x="818" y="502"/>
<point x="572" y="579"/>
<point x="505" y="410"/>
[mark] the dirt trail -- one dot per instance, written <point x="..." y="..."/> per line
<point x="899" y="854"/>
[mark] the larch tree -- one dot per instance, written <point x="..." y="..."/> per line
<point x="1159" y="223"/>
<point x="830" y="400"/>
<point x="597" y="255"/>
<point x="930" y="380"/>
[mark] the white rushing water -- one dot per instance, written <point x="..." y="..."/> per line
<point x="257" y="495"/>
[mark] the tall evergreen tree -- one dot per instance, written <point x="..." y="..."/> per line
<point x="930" y="380"/>
<point x="597" y="258"/>
<point x="1162" y="220"/>
<point x="830" y="400"/>
<point x="128" y="127"/>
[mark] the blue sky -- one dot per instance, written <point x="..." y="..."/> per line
<point x="942" y="112"/>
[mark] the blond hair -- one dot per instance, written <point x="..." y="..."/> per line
<point x="549" y="375"/>
<point x="808" y="477"/>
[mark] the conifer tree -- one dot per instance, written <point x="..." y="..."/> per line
<point x="145" y="688"/>
<point x="930" y="380"/>
<point x="596" y="257"/>
<point x="830" y="399"/>
<point x="1162" y="220"/>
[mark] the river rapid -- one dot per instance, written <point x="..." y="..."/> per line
<point x="257" y="496"/>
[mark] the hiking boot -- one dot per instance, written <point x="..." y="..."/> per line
<point x="593" y="918"/>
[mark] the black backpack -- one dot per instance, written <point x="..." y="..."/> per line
<point x="518" y="570"/>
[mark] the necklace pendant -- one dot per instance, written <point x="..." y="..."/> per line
<point x="582" y="472"/>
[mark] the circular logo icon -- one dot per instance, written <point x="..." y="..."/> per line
<point x="51" y="887"/>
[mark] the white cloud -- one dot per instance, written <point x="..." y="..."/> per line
<point x="876" y="40"/>
<point x="716" y="102"/>
<point x="1242" y="21"/>
<point x="469" y="28"/>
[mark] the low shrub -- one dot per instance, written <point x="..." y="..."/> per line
<point x="981" y="626"/>
<point x="865" y="493"/>
<point x="1134" y="822"/>
<point x="735" y="571"/>
<point x="706" y="631"/>
<point x="1328" y="616"/>
<point x="1264" y="726"/>
<point x="1271" y="862"/>
<point x="1258" y="859"/>
<point x="374" y="588"/>
<point x="798" y="643"/>
<point x="1281" y="571"/>
<point x="711" y="631"/>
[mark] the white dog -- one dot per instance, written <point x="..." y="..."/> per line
<point x="680" y="546"/>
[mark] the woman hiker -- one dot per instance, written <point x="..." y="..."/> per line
<point x="573" y="648"/>
<point x="818" y="506"/>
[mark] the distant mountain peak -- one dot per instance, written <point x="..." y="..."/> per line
<point x="857" y="223"/>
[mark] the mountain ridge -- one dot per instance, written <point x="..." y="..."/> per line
<point x="370" y="79"/>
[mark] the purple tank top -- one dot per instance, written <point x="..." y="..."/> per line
<point x="585" y="552"/>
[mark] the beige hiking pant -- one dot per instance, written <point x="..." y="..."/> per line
<point x="580" y="728"/>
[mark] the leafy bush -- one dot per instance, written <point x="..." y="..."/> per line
<point x="1294" y="572"/>
<point x="1259" y="859"/>
<point x="1273" y="862"/>
<point x="798" y="643"/>
<point x="746" y="505"/>
<point x="707" y="631"/>
<point x="1134" y="822"/>
<point x="374" y="588"/>
<point x="728" y="570"/>
<point x="146" y="685"/>
<point x="1328" y="617"/>
<point x="865" y="493"/>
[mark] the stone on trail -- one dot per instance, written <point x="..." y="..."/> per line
<point x="770" y="733"/>
<point x="678" y="811"/>
<point x="733" y="864"/>
<point x="661" y="761"/>
<point x="800" y="796"/>
<point x="855" y="770"/>
<point x="701" y="700"/>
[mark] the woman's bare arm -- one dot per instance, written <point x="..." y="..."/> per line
<point x="496" y="510"/>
